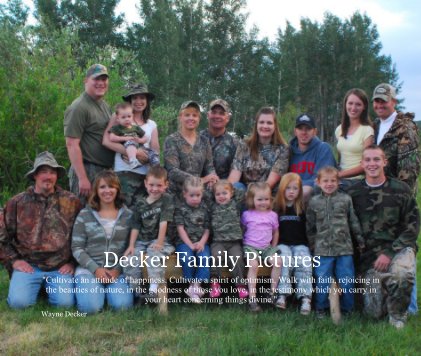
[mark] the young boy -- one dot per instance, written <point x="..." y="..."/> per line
<point x="149" y="228"/>
<point x="330" y="221"/>
<point x="131" y="135"/>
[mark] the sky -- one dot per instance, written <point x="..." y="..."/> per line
<point x="398" y="23"/>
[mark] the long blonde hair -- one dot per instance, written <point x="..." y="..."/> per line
<point x="280" y="201"/>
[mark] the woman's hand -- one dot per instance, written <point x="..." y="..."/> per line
<point x="129" y="251"/>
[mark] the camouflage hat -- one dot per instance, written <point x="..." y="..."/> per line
<point x="46" y="159"/>
<point x="96" y="70"/>
<point x="385" y="92"/>
<point x="305" y="119"/>
<point x="140" y="88"/>
<point x="220" y="102"/>
<point x="191" y="103"/>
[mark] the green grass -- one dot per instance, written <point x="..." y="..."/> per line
<point x="201" y="329"/>
<point x="198" y="329"/>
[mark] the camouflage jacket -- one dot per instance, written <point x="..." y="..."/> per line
<point x="223" y="151"/>
<point x="194" y="220"/>
<point x="225" y="219"/>
<point x="271" y="159"/>
<point x="401" y="145"/>
<point x="389" y="218"/>
<point x="183" y="160"/>
<point x="147" y="217"/>
<point x="89" y="242"/>
<point x="38" y="229"/>
<point x="330" y="222"/>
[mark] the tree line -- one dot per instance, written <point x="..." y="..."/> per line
<point x="183" y="49"/>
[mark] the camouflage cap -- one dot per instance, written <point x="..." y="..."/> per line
<point x="139" y="88"/>
<point x="191" y="103"/>
<point x="220" y="102"/>
<point x="96" y="70"/>
<point x="305" y="119"/>
<point x="384" y="92"/>
<point x="46" y="159"/>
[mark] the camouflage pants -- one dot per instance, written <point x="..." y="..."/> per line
<point x="232" y="248"/>
<point x="390" y="292"/>
<point x="156" y="273"/>
<point x="294" y="270"/>
<point x="91" y="171"/>
<point x="132" y="187"/>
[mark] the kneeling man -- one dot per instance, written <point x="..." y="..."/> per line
<point x="389" y="219"/>
<point x="36" y="235"/>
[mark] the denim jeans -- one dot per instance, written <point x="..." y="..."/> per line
<point x="295" y="270"/>
<point x="201" y="274"/>
<point x="91" y="295"/>
<point x="413" y="306"/>
<point x="24" y="288"/>
<point x="342" y="268"/>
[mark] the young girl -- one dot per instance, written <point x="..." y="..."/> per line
<point x="192" y="220"/>
<point x="330" y="221"/>
<point x="227" y="236"/>
<point x="260" y="238"/>
<point x="295" y="254"/>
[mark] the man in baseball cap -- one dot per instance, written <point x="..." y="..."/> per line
<point x="85" y="121"/>
<point x="223" y="144"/>
<point x="397" y="134"/>
<point x="308" y="153"/>
<point x="36" y="237"/>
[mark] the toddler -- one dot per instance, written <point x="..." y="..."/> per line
<point x="131" y="135"/>
<point x="192" y="221"/>
<point x="261" y="237"/>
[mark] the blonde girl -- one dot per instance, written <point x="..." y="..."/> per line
<point x="193" y="222"/>
<point x="261" y="237"/>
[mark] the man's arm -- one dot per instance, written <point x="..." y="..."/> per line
<point x="75" y="156"/>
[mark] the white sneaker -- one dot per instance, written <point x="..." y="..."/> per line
<point x="134" y="164"/>
<point x="193" y="296"/>
<point x="305" y="306"/>
<point x="397" y="323"/>
<point x="281" y="302"/>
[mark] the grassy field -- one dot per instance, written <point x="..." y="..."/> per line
<point x="200" y="329"/>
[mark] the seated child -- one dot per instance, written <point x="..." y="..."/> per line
<point x="330" y="221"/>
<point x="260" y="238"/>
<point x="192" y="220"/>
<point x="293" y="247"/>
<point x="227" y="236"/>
<point x="131" y="135"/>
<point x="149" y="228"/>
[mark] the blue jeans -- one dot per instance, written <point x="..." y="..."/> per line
<point x="201" y="274"/>
<point x="413" y="306"/>
<point x="91" y="295"/>
<point x="342" y="268"/>
<point x="24" y="288"/>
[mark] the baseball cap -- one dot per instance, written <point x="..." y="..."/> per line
<point x="385" y="92"/>
<point x="220" y="102"/>
<point x="96" y="70"/>
<point x="305" y="119"/>
<point x="191" y="103"/>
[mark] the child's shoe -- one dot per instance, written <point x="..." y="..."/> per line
<point x="193" y="296"/>
<point x="215" y="291"/>
<point x="242" y="292"/>
<point x="254" y="307"/>
<point x="281" y="302"/>
<point x="321" y="314"/>
<point x="305" y="306"/>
